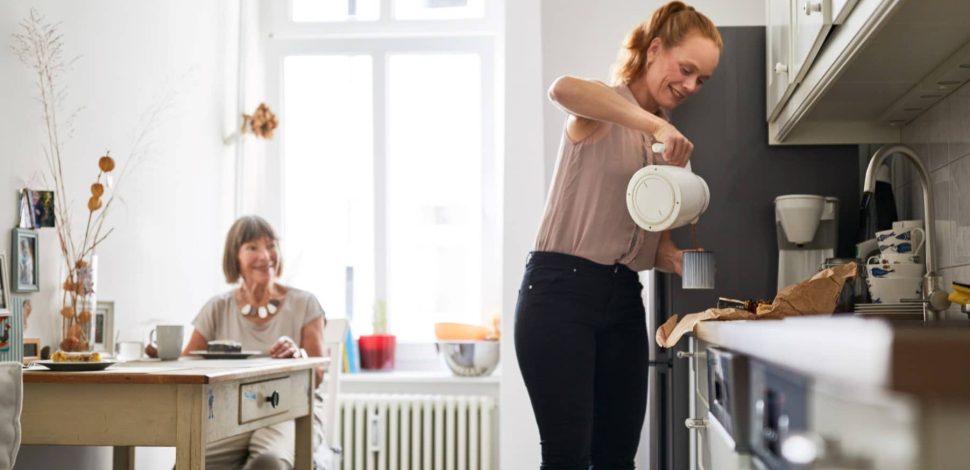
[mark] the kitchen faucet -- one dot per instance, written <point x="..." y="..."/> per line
<point x="934" y="299"/>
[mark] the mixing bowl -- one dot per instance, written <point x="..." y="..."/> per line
<point x="470" y="358"/>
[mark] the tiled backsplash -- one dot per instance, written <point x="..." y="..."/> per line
<point x="941" y="137"/>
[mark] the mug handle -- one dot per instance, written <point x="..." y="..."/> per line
<point x="151" y="337"/>
<point x="873" y="257"/>
<point x="922" y="239"/>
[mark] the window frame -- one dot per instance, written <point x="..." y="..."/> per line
<point x="380" y="39"/>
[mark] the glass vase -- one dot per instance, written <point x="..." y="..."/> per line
<point x="78" y="303"/>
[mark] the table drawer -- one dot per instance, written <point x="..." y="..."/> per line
<point x="258" y="400"/>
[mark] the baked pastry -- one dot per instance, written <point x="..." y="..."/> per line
<point x="62" y="356"/>
<point x="224" y="345"/>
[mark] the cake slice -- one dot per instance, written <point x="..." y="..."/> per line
<point x="224" y="345"/>
<point x="63" y="356"/>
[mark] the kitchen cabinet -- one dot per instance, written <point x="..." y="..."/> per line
<point x="857" y="71"/>
<point x="848" y="392"/>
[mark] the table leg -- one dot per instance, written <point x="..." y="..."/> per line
<point x="303" y="460"/>
<point x="190" y="441"/>
<point x="124" y="458"/>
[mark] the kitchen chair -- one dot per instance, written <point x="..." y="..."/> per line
<point x="11" y="401"/>
<point x="328" y="454"/>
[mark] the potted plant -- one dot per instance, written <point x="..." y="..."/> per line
<point x="377" y="350"/>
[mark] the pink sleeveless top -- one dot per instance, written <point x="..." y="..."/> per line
<point x="586" y="212"/>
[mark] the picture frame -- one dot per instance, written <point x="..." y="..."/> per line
<point x="31" y="350"/>
<point x="4" y="285"/>
<point x="104" y="323"/>
<point x="24" y="261"/>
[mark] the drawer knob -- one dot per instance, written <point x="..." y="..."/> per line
<point x="274" y="399"/>
<point x="812" y="7"/>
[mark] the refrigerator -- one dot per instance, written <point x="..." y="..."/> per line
<point x="726" y="122"/>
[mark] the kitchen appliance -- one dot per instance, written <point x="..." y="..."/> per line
<point x="807" y="230"/>
<point x="778" y="408"/>
<point x="663" y="197"/>
<point x="728" y="385"/>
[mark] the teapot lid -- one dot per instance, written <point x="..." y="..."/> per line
<point x="652" y="199"/>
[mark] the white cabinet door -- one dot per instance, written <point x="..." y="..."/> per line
<point x="841" y="9"/>
<point x="811" y="24"/>
<point x="778" y="38"/>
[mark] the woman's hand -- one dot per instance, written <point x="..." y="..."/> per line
<point x="677" y="149"/>
<point x="670" y="259"/>
<point x="284" y="347"/>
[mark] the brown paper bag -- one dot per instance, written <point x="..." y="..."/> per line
<point x="816" y="296"/>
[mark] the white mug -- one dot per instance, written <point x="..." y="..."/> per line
<point x="905" y="224"/>
<point x="699" y="270"/>
<point x="168" y="341"/>
<point x="128" y="350"/>
<point x="904" y="241"/>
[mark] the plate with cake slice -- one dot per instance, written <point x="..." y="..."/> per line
<point x="225" y="349"/>
<point x="75" y="362"/>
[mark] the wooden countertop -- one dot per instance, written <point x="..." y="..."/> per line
<point x="183" y="371"/>
<point x="910" y="357"/>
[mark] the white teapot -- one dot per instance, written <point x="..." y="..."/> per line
<point x="662" y="197"/>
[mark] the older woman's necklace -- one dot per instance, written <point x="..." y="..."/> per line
<point x="263" y="311"/>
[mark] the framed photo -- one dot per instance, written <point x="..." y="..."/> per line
<point x="104" y="323"/>
<point x="36" y="209"/>
<point x="25" y="265"/>
<point x="31" y="350"/>
<point x="4" y="285"/>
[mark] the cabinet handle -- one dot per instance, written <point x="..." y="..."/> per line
<point x="696" y="423"/>
<point x="812" y="7"/>
<point x="781" y="68"/>
<point x="274" y="399"/>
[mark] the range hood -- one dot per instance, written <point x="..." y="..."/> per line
<point x="888" y="63"/>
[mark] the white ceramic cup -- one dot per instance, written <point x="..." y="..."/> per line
<point x="904" y="241"/>
<point x="890" y="271"/>
<point x="128" y="350"/>
<point x="890" y="291"/>
<point x="168" y="341"/>
<point x="699" y="270"/>
<point x="905" y="224"/>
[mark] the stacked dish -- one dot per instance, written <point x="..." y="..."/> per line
<point x="895" y="311"/>
<point x="896" y="273"/>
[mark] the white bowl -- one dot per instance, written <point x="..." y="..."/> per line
<point x="892" y="290"/>
<point x="895" y="258"/>
<point x="891" y="271"/>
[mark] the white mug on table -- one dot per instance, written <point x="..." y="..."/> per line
<point x="168" y="341"/>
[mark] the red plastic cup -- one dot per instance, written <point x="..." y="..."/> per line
<point x="376" y="352"/>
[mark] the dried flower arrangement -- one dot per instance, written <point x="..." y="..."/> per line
<point x="38" y="45"/>
<point x="261" y="123"/>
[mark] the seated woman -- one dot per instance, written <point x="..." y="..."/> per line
<point x="262" y="315"/>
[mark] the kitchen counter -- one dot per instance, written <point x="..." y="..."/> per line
<point x="907" y="357"/>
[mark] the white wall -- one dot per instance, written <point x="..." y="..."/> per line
<point x="546" y="39"/>
<point x="164" y="258"/>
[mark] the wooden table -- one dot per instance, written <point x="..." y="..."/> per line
<point x="186" y="404"/>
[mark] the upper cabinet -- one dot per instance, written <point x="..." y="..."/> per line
<point x="856" y="71"/>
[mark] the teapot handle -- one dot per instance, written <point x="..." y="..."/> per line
<point x="658" y="147"/>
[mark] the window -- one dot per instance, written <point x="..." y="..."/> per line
<point x="390" y="182"/>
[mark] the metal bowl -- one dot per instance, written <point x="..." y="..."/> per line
<point x="470" y="358"/>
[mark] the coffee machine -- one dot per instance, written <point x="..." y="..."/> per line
<point x="807" y="228"/>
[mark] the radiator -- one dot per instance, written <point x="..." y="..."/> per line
<point x="416" y="432"/>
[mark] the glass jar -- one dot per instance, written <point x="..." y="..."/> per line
<point x="78" y="301"/>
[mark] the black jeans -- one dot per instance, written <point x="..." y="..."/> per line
<point x="581" y="342"/>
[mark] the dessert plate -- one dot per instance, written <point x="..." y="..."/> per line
<point x="225" y="354"/>
<point x="75" y="366"/>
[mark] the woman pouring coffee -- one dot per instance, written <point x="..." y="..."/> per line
<point x="580" y="332"/>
